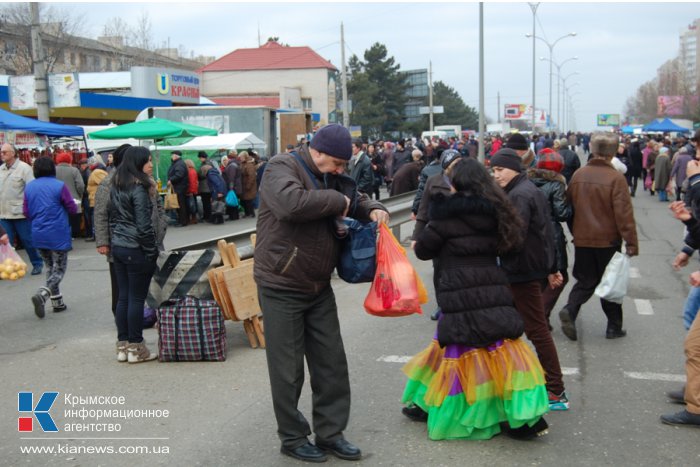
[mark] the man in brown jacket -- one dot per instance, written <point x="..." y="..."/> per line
<point x="603" y="218"/>
<point x="302" y="197"/>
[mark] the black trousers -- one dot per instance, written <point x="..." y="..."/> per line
<point x="74" y="220"/>
<point x="206" y="205"/>
<point x="299" y="325"/>
<point x="589" y="266"/>
<point x="183" y="215"/>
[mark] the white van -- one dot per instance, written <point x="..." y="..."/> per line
<point x="429" y="135"/>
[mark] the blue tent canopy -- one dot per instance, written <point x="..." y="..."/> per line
<point x="10" y="121"/>
<point x="665" y="126"/>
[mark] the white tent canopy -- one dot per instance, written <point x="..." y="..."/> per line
<point x="222" y="141"/>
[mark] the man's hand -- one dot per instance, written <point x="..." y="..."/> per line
<point x="680" y="211"/>
<point x="680" y="261"/>
<point x="379" y="216"/>
<point x="695" y="279"/>
<point x="413" y="216"/>
<point x="347" y="207"/>
<point x="103" y="250"/>
<point x="555" y="280"/>
<point x="4" y="240"/>
<point x="413" y="244"/>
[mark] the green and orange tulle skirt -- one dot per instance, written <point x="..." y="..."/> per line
<point x="468" y="392"/>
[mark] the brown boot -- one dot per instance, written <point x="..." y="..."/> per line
<point x="138" y="352"/>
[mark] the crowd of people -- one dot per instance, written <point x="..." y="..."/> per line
<point x="494" y="231"/>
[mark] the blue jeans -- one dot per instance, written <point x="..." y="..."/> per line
<point x="23" y="229"/>
<point x="134" y="274"/>
<point x="663" y="196"/>
<point x="692" y="304"/>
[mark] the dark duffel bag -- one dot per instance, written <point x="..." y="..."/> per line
<point x="191" y="329"/>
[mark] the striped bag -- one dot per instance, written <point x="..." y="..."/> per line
<point x="191" y="329"/>
<point x="180" y="273"/>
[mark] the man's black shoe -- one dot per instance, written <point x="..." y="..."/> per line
<point x="306" y="452"/>
<point x="36" y="270"/>
<point x="682" y="418"/>
<point x="615" y="333"/>
<point x="415" y="413"/>
<point x="568" y="327"/>
<point x="342" y="449"/>
<point x="677" y="397"/>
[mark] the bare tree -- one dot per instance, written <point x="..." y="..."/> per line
<point x="58" y="29"/>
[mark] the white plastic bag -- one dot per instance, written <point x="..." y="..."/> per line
<point x="613" y="285"/>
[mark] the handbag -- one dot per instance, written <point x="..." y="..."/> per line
<point x="231" y="199"/>
<point x="190" y="329"/>
<point x="171" y="201"/>
<point x="613" y="285"/>
<point x="358" y="253"/>
<point x="218" y="207"/>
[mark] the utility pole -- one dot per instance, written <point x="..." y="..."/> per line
<point x="344" y="79"/>
<point x="41" y="95"/>
<point x="533" y="7"/>
<point x="430" y="92"/>
<point x="482" y="120"/>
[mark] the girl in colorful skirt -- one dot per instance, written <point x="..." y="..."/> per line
<point x="477" y="376"/>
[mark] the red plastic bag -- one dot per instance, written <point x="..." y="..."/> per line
<point x="11" y="265"/>
<point x="396" y="290"/>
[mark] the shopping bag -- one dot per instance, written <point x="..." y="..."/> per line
<point x="396" y="289"/>
<point x="11" y="265"/>
<point x="613" y="285"/>
<point x="358" y="253"/>
<point x="231" y="199"/>
<point x="170" y="201"/>
<point x="647" y="182"/>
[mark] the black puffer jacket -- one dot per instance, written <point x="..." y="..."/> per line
<point x="553" y="185"/>
<point x="178" y="176"/>
<point x="130" y="220"/>
<point x="536" y="260"/>
<point x="472" y="289"/>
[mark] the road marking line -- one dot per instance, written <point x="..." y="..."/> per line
<point x="634" y="273"/>
<point x="569" y="371"/>
<point x="655" y="376"/>
<point x="395" y="358"/>
<point x="643" y="307"/>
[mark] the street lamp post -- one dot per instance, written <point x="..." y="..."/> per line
<point x="533" y="7"/>
<point x="571" y="106"/>
<point x="566" y="90"/>
<point x="559" y="66"/>
<point x="563" y="97"/>
<point x="551" y="58"/>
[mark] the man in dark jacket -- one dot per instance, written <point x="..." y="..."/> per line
<point x="433" y="168"/>
<point x="571" y="160"/>
<point x="406" y="178"/>
<point x="296" y="252"/>
<point x="360" y="168"/>
<point x="603" y="218"/>
<point x="535" y="265"/>
<point x="401" y="156"/>
<point x="179" y="180"/>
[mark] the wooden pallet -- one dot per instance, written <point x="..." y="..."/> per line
<point x="236" y="293"/>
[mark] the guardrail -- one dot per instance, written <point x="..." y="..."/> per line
<point x="399" y="209"/>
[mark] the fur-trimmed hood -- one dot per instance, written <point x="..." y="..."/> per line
<point x="477" y="212"/>
<point x="540" y="176"/>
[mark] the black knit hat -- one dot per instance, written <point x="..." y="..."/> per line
<point x="334" y="140"/>
<point x="447" y="157"/>
<point x="508" y="159"/>
<point x="517" y="142"/>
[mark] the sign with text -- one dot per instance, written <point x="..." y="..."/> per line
<point x="64" y="90"/>
<point x="178" y="86"/>
<point x="21" y="92"/>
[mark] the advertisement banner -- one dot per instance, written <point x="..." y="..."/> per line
<point x="22" y="139"/>
<point x="21" y="92"/>
<point x="517" y="112"/>
<point x="608" y="120"/>
<point x="64" y="90"/>
<point x="180" y="86"/>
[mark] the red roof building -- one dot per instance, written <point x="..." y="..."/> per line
<point x="294" y="78"/>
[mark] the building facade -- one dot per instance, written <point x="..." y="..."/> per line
<point x="688" y="55"/>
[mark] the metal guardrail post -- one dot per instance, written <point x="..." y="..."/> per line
<point x="399" y="209"/>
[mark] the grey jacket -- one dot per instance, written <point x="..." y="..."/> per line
<point x="12" y="183"/>
<point x="73" y="180"/>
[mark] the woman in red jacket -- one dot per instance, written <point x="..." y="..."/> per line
<point x="192" y="191"/>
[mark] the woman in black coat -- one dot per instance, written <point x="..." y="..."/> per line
<point x="468" y="369"/>
<point x="634" y="170"/>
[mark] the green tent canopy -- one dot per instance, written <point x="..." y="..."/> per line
<point x="153" y="128"/>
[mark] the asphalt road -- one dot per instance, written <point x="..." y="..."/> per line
<point x="221" y="414"/>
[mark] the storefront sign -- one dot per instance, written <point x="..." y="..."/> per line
<point x="178" y="86"/>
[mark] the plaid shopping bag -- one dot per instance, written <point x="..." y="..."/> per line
<point x="191" y="329"/>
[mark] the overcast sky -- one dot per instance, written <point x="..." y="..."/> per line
<point x="619" y="45"/>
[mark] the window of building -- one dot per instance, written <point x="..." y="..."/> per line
<point x="306" y="103"/>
